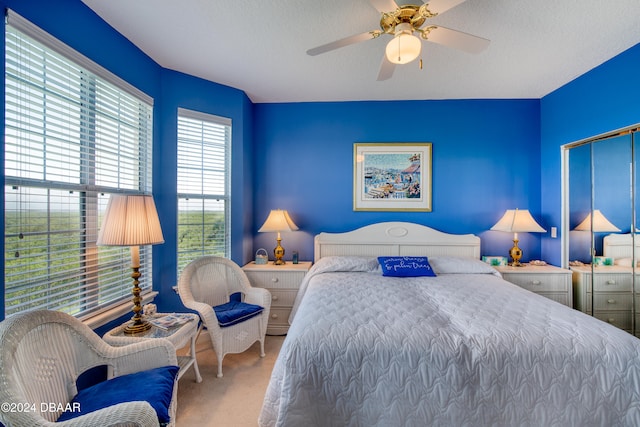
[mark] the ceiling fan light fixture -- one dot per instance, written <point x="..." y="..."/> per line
<point x="404" y="48"/>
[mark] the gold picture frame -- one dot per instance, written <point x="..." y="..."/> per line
<point x="392" y="176"/>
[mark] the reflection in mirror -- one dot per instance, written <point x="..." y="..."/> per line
<point x="599" y="188"/>
<point x="579" y="202"/>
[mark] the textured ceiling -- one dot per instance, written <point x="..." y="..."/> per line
<point x="260" y="46"/>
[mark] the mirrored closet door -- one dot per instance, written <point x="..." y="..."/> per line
<point x="599" y="226"/>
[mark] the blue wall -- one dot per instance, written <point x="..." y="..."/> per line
<point x="602" y="100"/>
<point x="485" y="160"/>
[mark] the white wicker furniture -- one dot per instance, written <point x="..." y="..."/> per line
<point x="283" y="282"/>
<point x="43" y="352"/>
<point x="546" y="280"/>
<point x="209" y="281"/>
<point x="178" y="335"/>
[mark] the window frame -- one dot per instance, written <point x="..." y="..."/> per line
<point x="104" y="268"/>
<point x="183" y="257"/>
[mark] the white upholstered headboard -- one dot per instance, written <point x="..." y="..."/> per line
<point x="396" y="238"/>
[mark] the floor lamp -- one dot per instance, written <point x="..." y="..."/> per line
<point x="132" y="220"/>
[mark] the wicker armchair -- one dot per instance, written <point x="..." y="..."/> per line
<point x="43" y="352"/>
<point x="210" y="281"/>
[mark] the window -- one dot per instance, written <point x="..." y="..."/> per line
<point x="74" y="133"/>
<point x="204" y="145"/>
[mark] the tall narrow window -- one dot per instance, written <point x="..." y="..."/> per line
<point x="74" y="133"/>
<point x="204" y="147"/>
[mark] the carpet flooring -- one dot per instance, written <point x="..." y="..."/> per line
<point x="235" y="399"/>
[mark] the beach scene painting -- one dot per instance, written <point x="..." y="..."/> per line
<point x="392" y="176"/>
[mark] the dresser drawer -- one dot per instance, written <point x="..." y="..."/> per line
<point x="282" y="297"/>
<point x="279" y="316"/>
<point x="612" y="282"/>
<point x="281" y="280"/>
<point x="561" y="297"/>
<point x="611" y="301"/>
<point x="540" y="282"/>
<point x="620" y="319"/>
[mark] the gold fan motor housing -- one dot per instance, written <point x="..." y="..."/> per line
<point x="408" y="14"/>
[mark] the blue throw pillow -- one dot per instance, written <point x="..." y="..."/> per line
<point x="235" y="311"/>
<point x="405" y="266"/>
<point x="154" y="386"/>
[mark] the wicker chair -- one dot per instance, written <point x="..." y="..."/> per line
<point x="210" y="281"/>
<point x="43" y="352"/>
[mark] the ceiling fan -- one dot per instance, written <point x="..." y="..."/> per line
<point x="403" y="23"/>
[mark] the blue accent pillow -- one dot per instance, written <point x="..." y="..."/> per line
<point x="154" y="386"/>
<point x="235" y="311"/>
<point x="405" y="266"/>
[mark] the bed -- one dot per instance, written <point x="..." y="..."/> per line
<point x="463" y="348"/>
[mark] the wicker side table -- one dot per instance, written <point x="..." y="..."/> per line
<point x="178" y="335"/>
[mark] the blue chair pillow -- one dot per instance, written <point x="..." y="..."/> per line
<point x="154" y="386"/>
<point x="235" y="311"/>
<point x="406" y="266"/>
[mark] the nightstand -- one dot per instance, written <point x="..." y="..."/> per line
<point x="610" y="297"/>
<point x="546" y="280"/>
<point x="283" y="281"/>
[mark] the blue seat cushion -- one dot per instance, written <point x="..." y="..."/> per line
<point x="235" y="311"/>
<point x="154" y="386"/>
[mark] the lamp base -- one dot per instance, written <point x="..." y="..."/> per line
<point x="137" y="327"/>
<point x="516" y="253"/>
<point x="278" y="252"/>
<point x="138" y="323"/>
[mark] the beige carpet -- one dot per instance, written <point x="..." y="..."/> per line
<point x="233" y="400"/>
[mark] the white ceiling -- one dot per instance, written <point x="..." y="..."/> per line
<point x="260" y="46"/>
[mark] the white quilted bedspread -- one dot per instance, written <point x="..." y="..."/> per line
<point x="453" y="350"/>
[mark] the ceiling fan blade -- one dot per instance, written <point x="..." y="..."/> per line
<point x="457" y="39"/>
<point x="440" y="6"/>
<point x="386" y="69"/>
<point x="384" y="6"/>
<point x="357" y="38"/>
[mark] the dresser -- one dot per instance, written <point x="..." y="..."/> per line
<point x="546" y="280"/>
<point x="283" y="282"/>
<point x="610" y="300"/>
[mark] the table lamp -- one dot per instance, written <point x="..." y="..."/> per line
<point x="277" y="221"/>
<point x="132" y="220"/>
<point x="517" y="221"/>
<point x="596" y="222"/>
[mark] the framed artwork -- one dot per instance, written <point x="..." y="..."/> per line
<point x="392" y="176"/>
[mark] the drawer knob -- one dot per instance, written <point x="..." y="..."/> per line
<point x="611" y="301"/>
<point x="535" y="282"/>
<point x="611" y="282"/>
<point x="274" y="279"/>
<point x="274" y="316"/>
<point x="611" y="320"/>
<point x="274" y="298"/>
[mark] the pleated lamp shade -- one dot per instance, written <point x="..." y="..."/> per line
<point x="130" y="220"/>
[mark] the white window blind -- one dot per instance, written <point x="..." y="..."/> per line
<point x="74" y="133"/>
<point x="204" y="146"/>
